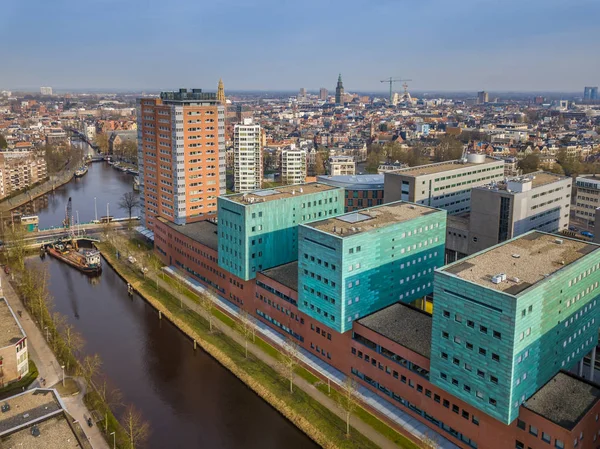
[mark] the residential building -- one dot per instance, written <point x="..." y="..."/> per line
<point x="341" y="165"/>
<point x="14" y="360"/>
<point x="323" y="93"/>
<point x="445" y="185"/>
<point x="511" y="167"/>
<point x="247" y="156"/>
<point x="293" y="165"/>
<point x="339" y="91"/>
<point x="508" y="319"/>
<point x="590" y="93"/>
<point x="181" y="155"/>
<point x="46" y="90"/>
<point x="357" y="263"/>
<point x="360" y="191"/>
<point x="20" y="170"/>
<point x="38" y="419"/>
<point x="587" y="198"/>
<point x="258" y="230"/>
<point x="482" y="97"/>
<point x="500" y="211"/>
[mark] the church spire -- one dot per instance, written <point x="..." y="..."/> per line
<point x="221" y="92"/>
<point x="339" y="91"/>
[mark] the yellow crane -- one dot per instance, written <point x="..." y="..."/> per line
<point x="391" y="80"/>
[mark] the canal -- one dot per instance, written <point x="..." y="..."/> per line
<point x="189" y="400"/>
<point x="102" y="182"/>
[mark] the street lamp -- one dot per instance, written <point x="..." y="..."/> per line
<point x="95" y="209"/>
<point x="114" y="440"/>
<point x="63" y="373"/>
<point x="47" y="338"/>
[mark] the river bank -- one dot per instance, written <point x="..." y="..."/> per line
<point x="315" y="407"/>
<point x="259" y="372"/>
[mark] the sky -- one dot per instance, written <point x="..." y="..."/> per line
<point x="442" y="45"/>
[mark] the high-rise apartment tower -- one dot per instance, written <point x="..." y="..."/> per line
<point x="247" y="156"/>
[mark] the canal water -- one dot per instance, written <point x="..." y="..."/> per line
<point x="189" y="400"/>
<point x="102" y="182"/>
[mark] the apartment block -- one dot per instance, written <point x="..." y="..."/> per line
<point x="341" y="166"/>
<point x="508" y="319"/>
<point x="293" y="165"/>
<point x="247" y="156"/>
<point x="500" y="211"/>
<point x="20" y="170"/>
<point x="445" y="185"/>
<point x="587" y="198"/>
<point x="181" y="155"/>
<point x="357" y="263"/>
<point x="258" y="230"/>
<point x="14" y="360"/>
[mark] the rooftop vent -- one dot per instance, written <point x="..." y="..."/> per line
<point x="516" y="280"/>
<point x="35" y="431"/>
<point x="5" y="407"/>
<point x="516" y="256"/>
<point x="559" y="241"/>
<point x="497" y="279"/>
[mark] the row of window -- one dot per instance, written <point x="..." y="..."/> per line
<point x="276" y="293"/>
<point x="582" y="294"/>
<point x="482" y="351"/>
<point x="467" y="388"/>
<point x="465" y="183"/>
<point x="470" y="323"/>
<point x="319" y="261"/>
<point x="546" y="438"/>
<point x="584" y="274"/>
<point x="281" y="326"/>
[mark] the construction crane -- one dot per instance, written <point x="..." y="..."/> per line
<point x="391" y="81"/>
<point x="67" y="222"/>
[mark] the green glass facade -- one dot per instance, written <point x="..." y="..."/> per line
<point x="261" y="235"/>
<point x="342" y="278"/>
<point x="494" y="350"/>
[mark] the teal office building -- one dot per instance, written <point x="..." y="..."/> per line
<point x="357" y="263"/>
<point x="509" y="318"/>
<point x="259" y="230"/>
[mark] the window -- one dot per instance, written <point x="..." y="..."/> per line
<point x="533" y="430"/>
<point x="470" y="323"/>
<point x="494" y="379"/>
<point x="482" y="351"/>
<point x="559" y="444"/>
<point x="469" y="346"/>
<point x="446" y="313"/>
<point x="497" y="335"/>
<point x="495" y="357"/>
<point x="455" y="408"/>
<point x="519" y="445"/>
<point x="444" y="355"/>
<point x="446" y="403"/>
<point x="483" y="329"/>
<point x="479" y="394"/>
<point x="475" y="420"/>
<point x="521" y="424"/>
<point x="493" y="402"/>
<point x="545" y="437"/>
<point x="480" y="373"/>
<point x="458" y="318"/>
<point x="436" y="398"/>
<point x="445" y="335"/>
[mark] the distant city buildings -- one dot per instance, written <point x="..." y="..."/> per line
<point x="181" y="155"/>
<point x="323" y="93"/>
<point x="360" y="191"/>
<point x="20" y="170"/>
<point x="482" y="97"/>
<point x="293" y="165"/>
<point x="247" y="156"/>
<point x="339" y="91"/>
<point x="587" y="198"/>
<point x="590" y="93"/>
<point x="46" y="90"/>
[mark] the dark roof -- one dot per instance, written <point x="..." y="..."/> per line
<point x="204" y="232"/>
<point x="404" y="325"/>
<point x="564" y="400"/>
<point x="286" y="274"/>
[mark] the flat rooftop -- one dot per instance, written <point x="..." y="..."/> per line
<point x="10" y="330"/>
<point x="362" y="182"/>
<point x="458" y="222"/>
<point x="439" y="167"/>
<point x="286" y="274"/>
<point x="204" y="232"/>
<point x="278" y="193"/>
<point x="526" y="260"/>
<point x="537" y="179"/>
<point x="403" y="324"/>
<point x="368" y="219"/>
<point x="564" y="400"/>
<point x="27" y="407"/>
<point x="55" y="433"/>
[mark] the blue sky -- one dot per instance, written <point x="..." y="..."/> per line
<point x="465" y="45"/>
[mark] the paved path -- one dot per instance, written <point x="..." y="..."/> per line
<point x="47" y="365"/>
<point x="309" y="388"/>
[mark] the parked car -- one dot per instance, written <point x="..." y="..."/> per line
<point x="587" y="234"/>
<point x="573" y="228"/>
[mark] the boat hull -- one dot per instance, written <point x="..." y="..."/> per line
<point x="91" y="271"/>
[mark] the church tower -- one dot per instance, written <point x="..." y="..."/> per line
<point x="339" y="91"/>
<point x="221" y="92"/>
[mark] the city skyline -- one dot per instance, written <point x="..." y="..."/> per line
<point x="110" y="45"/>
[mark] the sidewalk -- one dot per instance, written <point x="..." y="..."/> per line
<point x="47" y="364"/>
<point x="395" y="414"/>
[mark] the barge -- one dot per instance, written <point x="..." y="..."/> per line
<point x="87" y="261"/>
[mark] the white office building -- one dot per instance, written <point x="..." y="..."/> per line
<point x="247" y="156"/>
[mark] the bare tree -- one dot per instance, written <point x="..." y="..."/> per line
<point x="207" y="302"/>
<point x="73" y="341"/>
<point x="245" y="326"/>
<point x="128" y="202"/>
<point x="156" y="266"/>
<point x="180" y="287"/>
<point x="111" y="397"/>
<point x="17" y="245"/>
<point x="348" y="400"/>
<point x="290" y="357"/>
<point x="89" y="367"/>
<point x="137" y="429"/>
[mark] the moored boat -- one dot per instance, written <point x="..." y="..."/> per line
<point x="87" y="261"/>
<point x="81" y="171"/>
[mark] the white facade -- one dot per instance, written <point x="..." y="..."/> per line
<point x="46" y="90"/>
<point x="247" y="156"/>
<point x="293" y="165"/>
<point x="342" y="166"/>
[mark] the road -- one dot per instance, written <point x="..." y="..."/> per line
<point x="48" y="366"/>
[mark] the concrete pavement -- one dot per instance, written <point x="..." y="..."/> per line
<point x="48" y="366"/>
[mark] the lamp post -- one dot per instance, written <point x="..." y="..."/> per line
<point x="95" y="210"/>
<point x="63" y="373"/>
<point x="114" y="440"/>
<point x="47" y="338"/>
